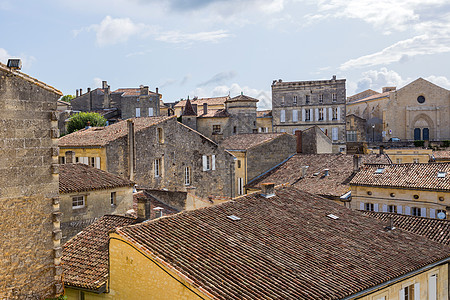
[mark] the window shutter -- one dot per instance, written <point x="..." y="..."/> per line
<point x="311" y="114"/>
<point x="401" y="294"/>
<point x="325" y="114"/>
<point x="338" y="113"/>
<point x="259" y="129"/>
<point x="213" y="162"/>
<point x="432" y="287"/>
<point x="97" y="162"/>
<point x="295" y="115"/>
<point x="334" y="134"/>
<point x="384" y="207"/>
<point x="138" y="112"/>
<point x="407" y="210"/>
<point x="86" y="160"/>
<point x="150" y="111"/>
<point x="330" y="113"/>
<point x="423" y="212"/>
<point x="417" y="291"/>
<point x="317" y="114"/>
<point x="303" y="115"/>
<point x="361" y="205"/>
<point x="375" y="207"/>
<point x="432" y="213"/>
<point x="399" y="209"/>
<point x="282" y="116"/>
<point x="204" y="162"/>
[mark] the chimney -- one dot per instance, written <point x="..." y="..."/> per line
<point x="106" y="95"/>
<point x="77" y="93"/>
<point x="70" y="157"/>
<point x="304" y="170"/>
<point x="326" y="172"/>
<point x="144" y="90"/>
<point x="88" y="89"/>
<point x="131" y="149"/>
<point x="356" y="162"/>
<point x="391" y="224"/>
<point x="268" y="190"/>
<point x="143" y="209"/>
<point x="81" y="92"/>
<point x="156" y="90"/>
<point x="298" y="134"/>
<point x="194" y="107"/>
<point x="205" y="108"/>
<point x="104" y="84"/>
<point x="334" y="77"/>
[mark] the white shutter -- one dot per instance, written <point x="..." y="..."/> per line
<point x="311" y="114"/>
<point x="417" y="291"/>
<point x="325" y="114"/>
<point x="205" y="158"/>
<point x="432" y="213"/>
<point x="338" y="113"/>
<point x="423" y="212"/>
<point x="432" y="287"/>
<point x="317" y="114"/>
<point x="334" y="133"/>
<point x="407" y="210"/>
<point x="84" y="160"/>
<point x="361" y="205"/>
<point x="282" y="130"/>
<point x="213" y="162"/>
<point x="138" y="112"/>
<point x="97" y="162"/>
<point x="259" y="129"/>
<point x="303" y="115"/>
<point x="282" y="116"/>
<point x="330" y="113"/>
<point x="385" y="208"/>
<point x="266" y="129"/>
<point x="295" y="115"/>
<point x="399" y="209"/>
<point x="150" y="111"/>
<point x="375" y="207"/>
<point x="401" y="294"/>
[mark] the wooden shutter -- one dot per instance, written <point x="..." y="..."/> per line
<point x="423" y="212"/>
<point x="97" y="162"/>
<point x="432" y="287"/>
<point x="303" y="115"/>
<point x="417" y="291"/>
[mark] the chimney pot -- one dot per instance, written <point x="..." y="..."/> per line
<point x="70" y="157"/>
<point x="77" y="93"/>
<point x="104" y="84"/>
<point x="88" y="89"/>
<point x="156" y="90"/>
<point x="268" y="190"/>
<point x="143" y="209"/>
<point x="81" y="92"/>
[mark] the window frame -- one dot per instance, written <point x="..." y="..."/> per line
<point x="187" y="175"/>
<point x="157" y="167"/>
<point x="83" y="201"/>
<point x="113" y="198"/>
<point x="216" y="128"/>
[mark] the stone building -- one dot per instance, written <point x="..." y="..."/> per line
<point x="128" y="102"/>
<point x="213" y="103"/>
<point x="302" y="104"/>
<point x="313" y="141"/>
<point x="29" y="203"/>
<point x="264" y="121"/>
<point x="157" y="153"/>
<point x="87" y="193"/>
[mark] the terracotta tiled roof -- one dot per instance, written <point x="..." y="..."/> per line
<point x="373" y="97"/>
<point x="81" y="177"/>
<point x="168" y="210"/>
<point x="248" y="140"/>
<point x="413" y="176"/>
<point x="30" y="79"/>
<point x="200" y="101"/>
<point x="101" y="136"/>
<point x="434" y="229"/>
<point x="130" y="92"/>
<point x="264" y="113"/>
<point x="441" y="154"/>
<point x="242" y="98"/>
<point x="282" y="247"/>
<point x="213" y="113"/>
<point x="85" y="256"/>
<point x="336" y="184"/>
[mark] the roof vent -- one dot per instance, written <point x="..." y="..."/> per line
<point x="14" y="64"/>
<point x="331" y="216"/>
<point x="379" y="171"/>
<point x="159" y="211"/>
<point x="441" y="174"/>
<point x="233" y="217"/>
<point x="268" y="190"/>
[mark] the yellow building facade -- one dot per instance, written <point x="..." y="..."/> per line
<point x="93" y="156"/>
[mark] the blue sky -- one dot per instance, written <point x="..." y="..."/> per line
<point x="211" y="48"/>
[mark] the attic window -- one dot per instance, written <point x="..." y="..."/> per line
<point x="331" y="216"/>
<point x="234" y="218"/>
<point x="441" y="174"/>
<point x="379" y="171"/>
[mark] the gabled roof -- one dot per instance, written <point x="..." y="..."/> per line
<point x="30" y="79"/>
<point x="200" y="101"/>
<point x="85" y="256"/>
<point x="282" y="247"/>
<point x="434" y="229"/>
<point x="242" y="98"/>
<point x="80" y="177"/>
<point x="370" y="98"/>
<point x="101" y="136"/>
<point x="188" y="110"/>
<point x="411" y="176"/>
<point x="336" y="184"/>
<point x="248" y="140"/>
<point x="213" y="113"/>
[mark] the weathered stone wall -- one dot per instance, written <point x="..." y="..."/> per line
<point x="357" y="124"/>
<point x="29" y="239"/>
<point x="265" y="156"/>
<point x="176" y="200"/>
<point x="242" y="118"/>
<point x="144" y="102"/>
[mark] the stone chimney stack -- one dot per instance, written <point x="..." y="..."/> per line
<point x="131" y="149"/>
<point x="88" y="89"/>
<point x="156" y="90"/>
<point x="205" y="108"/>
<point x="106" y="95"/>
<point x="104" y="84"/>
<point x="268" y="190"/>
<point x="70" y="157"/>
<point x="356" y="162"/>
<point x="144" y="90"/>
<point x="143" y="209"/>
<point x="77" y="93"/>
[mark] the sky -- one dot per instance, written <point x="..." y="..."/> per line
<point x="209" y="48"/>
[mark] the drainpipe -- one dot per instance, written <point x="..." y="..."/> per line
<point x="131" y="149"/>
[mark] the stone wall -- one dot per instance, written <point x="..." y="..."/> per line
<point x="143" y="102"/>
<point x="29" y="205"/>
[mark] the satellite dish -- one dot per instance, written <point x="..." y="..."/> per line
<point x="441" y="215"/>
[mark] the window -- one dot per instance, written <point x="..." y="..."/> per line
<point x="78" y="202"/>
<point x="295" y="115"/>
<point x="187" y="176"/>
<point x="92" y="161"/>
<point x="320" y="114"/>
<point x="369" y="207"/>
<point x="295" y="100"/>
<point x="307" y="115"/>
<point x="239" y="163"/>
<point x="441" y="214"/>
<point x="421" y="99"/>
<point x="282" y="116"/>
<point x="416" y="211"/>
<point x="351" y="136"/>
<point x="398" y="160"/>
<point x="321" y="99"/>
<point x="157" y="167"/>
<point x="334" y="97"/>
<point x="160" y="133"/>
<point x="307" y="99"/>
<point x="432" y="287"/>
<point x="138" y="112"/>
<point x="209" y="162"/>
<point x="282" y="100"/>
<point x="113" y="198"/>
<point x="216" y="128"/>
<point x="234" y="129"/>
<point x="411" y="292"/>
<point x="392" y="208"/>
<point x="62" y="160"/>
<point x="334" y="134"/>
<point x="150" y="111"/>
<point x="334" y="113"/>
<point x="241" y="186"/>
<point x="415" y="160"/>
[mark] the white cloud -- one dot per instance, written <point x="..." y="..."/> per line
<point x="177" y="37"/>
<point x="97" y="82"/>
<point x="4" y="56"/>
<point x="441" y="81"/>
<point x="376" y="80"/>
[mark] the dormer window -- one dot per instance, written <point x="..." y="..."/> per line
<point x="379" y="171"/>
<point x="441" y="174"/>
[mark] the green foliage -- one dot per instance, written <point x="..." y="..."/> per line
<point x="61" y="297"/>
<point x="80" y="121"/>
<point x="419" y="143"/>
<point x="67" y="98"/>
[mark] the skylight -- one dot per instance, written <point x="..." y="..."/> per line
<point x="234" y="218"/>
<point x="331" y="216"/>
<point x="379" y="171"/>
<point x="441" y="174"/>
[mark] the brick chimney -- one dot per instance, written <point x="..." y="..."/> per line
<point x="70" y="157"/>
<point x="356" y="162"/>
<point x="268" y="190"/>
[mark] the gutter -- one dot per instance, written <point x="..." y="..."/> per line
<point x="100" y="290"/>
<point x="396" y="280"/>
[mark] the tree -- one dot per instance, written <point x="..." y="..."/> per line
<point x="80" y="121"/>
<point x="67" y="98"/>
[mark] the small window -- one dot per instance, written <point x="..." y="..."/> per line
<point x="441" y="174"/>
<point x="282" y="116"/>
<point x="209" y="162"/>
<point x="216" y="128"/>
<point x="157" y="167"/>
<point x="392" y="208"/>
<point x="138" y="112"/>
<point x="441" y="214"/>
<point x="334" y="113"/>
<point x="334" y="97"/>
<point x="62" y="160"/>
<point x="150" y="111"/>
<point x="78" y="202"/>
<point x="416" y="211"/>
<point x="369" y="206"/>
<point x="295" y="100"/>
<point x="239" y="164"/>
<point x="160" y="135"/>
<point x="307" y="99"/>
<point x="234" y="129"/>
<point x="408" y="292"/>
<point x="240" y="186"/>
<point x="351" y="136"/>
<point x="415" y="160"/>
<point x="320" y="98"/>
<point x="369" y="193"/>
<point x="113" y="198"/>
<point x="392" y="194"/>
<point x="187" y="176"/>
<point x="398" y="160"/>
<point x="416" y="197"/>
<point x="441" y="198"/>
<point x="320" y="114"/>
<point x="421" y="99"/>
<point x="307" y="115"/>
<point x="92" y="161"/>
<point x="282" y="100"/>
